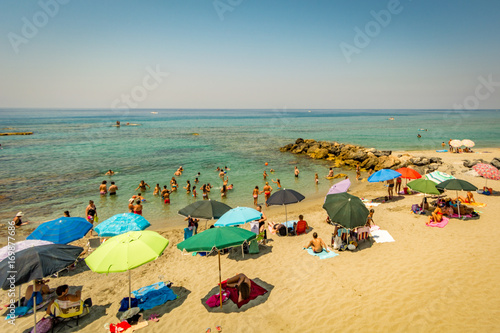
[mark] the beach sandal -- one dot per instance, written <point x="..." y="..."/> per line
<point x="219" y="328"/>
<point x="154" y="317"/>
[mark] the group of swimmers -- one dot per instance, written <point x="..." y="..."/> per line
<point x="103" y="188"/>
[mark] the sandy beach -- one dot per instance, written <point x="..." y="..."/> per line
<point x="428" y="280"/>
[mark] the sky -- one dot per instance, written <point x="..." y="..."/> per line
<point x="245" y="54"/>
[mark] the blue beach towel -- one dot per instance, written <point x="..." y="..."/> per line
<point x="154" y="295"/>
<point x="322" y="255"/>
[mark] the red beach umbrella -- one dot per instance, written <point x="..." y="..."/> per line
<point x="487" y="171"/>
<point x="408" y="173"/>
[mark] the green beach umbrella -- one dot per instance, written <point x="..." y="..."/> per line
<point x="457" y="185"/>
<point x="126" y="252"/>
<point x="423" y="186"/>
<point x="346" y="210"/>
<point x="219" y="239"/>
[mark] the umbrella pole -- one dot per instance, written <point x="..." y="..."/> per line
<point x="34" y="305"/>
<point x="129" y="291"/>
<point x="19" y="292"/>
<point x="286" y="220"/>
<point x="458" y="205"/>
<point x="220" y="282"/>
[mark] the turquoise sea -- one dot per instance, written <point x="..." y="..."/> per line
<point x="61" y="166"/>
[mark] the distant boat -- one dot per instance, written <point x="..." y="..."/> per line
<point x="392" y="118"/>
<point x="154" y="112"/>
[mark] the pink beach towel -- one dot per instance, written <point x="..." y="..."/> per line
<point x="441" y="224"/>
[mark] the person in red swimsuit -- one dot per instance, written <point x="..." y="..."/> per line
<point x="437" y="215"/>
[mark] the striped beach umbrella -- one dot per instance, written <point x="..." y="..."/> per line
<point x="468" y="143"/>
<point x="487" y="171"/>
<point x="438" y="176"/>
<point x="456" y="143"/>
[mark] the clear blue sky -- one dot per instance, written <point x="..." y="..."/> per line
<point x="249" y="54"/>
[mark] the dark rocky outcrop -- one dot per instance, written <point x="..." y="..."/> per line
<point x="351" y="155"/>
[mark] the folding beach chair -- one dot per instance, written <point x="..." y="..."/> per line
<point x="64" y="312"/>
<point x="94" y="243"/>
<point x="363" y="233"/>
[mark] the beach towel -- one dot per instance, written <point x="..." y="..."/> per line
<point x="255" y="291"/>
<point x="322" y="255"/>
<point x="382" y="236"/>
<point x="441" y="224"/>
<point x="214" y="300"/>
<point x="477" y="204"/>
<point x="154" y="295"/>
<point x="455" y="216"/>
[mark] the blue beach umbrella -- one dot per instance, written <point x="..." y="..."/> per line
<point x="63" y="230"/>
<point x="238" y="215"/>
<point x="120" y="224"/>
<point x="383" y="175"/>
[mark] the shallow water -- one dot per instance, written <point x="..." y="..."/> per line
<point x="61" y="165"/>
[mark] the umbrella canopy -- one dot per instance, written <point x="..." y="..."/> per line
<point x="238" y="215"/>
<point x="346" y="210"/>
<point x="340" y="187"/>
<point x="37" y="262"/>
<point x="468" y="143"/>
<point x="285" y="197"/>
<point x="457" y="185"/>
<point x="423" y="186"/>
<point x="218" y="238"/>
<point x="120" y="224"/>
<point x="438" y="176"/>
<point x="487" y="171"/>
<point x="63" y="230"/>
<point x="409" y="173"/>
<point x="205" y="209"/>
<point x="456" y="143"/>
<point x="19" y="246"/>
<point x="126" y="251"/>
<point x="383" y="175"/>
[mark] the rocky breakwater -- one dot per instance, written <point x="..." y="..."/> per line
<point x="368" y="158"/>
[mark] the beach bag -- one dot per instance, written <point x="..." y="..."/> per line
<point x="43" y="326"/>
<point x="282" y="231"/>
<point x="337" y="243"/>
<point x="415" y="208"/>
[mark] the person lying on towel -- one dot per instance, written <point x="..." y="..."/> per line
<point x="242" y="283"/>
<point x="317" y="244"/>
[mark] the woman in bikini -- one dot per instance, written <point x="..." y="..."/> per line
<point x="223" y="191"/>
<point x="188" y="187"/>
<point x="173" y="184"/>
<point x="437" y="216"/>
<point x="142" y="186"/>
<point x="277" y="182"/>
<point x="267" y="191"/>
<point x="205" y="191"/>
<point x="157" y="189"/>
<point x="138" y="207"/>
<point x="243" y="283"/>
<point x="255" y="195"/>
<point x="103" y="190"/>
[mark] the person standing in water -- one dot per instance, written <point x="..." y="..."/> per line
<point x="142" y="186"/>
<point x="296" y="172"/>
<point x="112" y="189"/>
<point x="255" y="195"/>
<point x="267" y="191"/>
<point x="277" y="182"/>
<point x="103" y="189"/>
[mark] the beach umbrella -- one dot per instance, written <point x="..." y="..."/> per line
<point x="120" y="224"/>
<point x="205" y="209"/>
<point x="383" y="175"/>
<point x="36" y="263"/>
<point x="340" y="187"/>
<point x="438" y="176"/>
<point x="63" y="230"/>
<point x="487" y="171"/>
<point x="285" y="197"/>
<point x="237" y="216"/>
<point x="126" y="252"/>
<point x="456" y="143"/>
<point x="409" y="173"/>
<point x="19" y="246"/>
<point x="423" y="186"/>
<point x="457" y="185"/>
<point x="468" y="143"/>
<point x="219" y="239"/>
<point x="346" y="210"/>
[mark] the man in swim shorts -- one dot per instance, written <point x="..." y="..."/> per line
<point x="296" y="172"/>
<point x="112" y="189"/>
<point x="317" y="244"/>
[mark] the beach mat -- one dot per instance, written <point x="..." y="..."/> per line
<point x="441" y="224"/>
<point x="255" y="291"/>
<point x="477" y="204"/>
<point x="382" y="236"/>
<point x="322" y="255"/>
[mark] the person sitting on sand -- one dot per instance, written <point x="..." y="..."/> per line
<point x="468" y="199"/>
<point x="317" y="244"/>
<point x="138" y="207"/>
<point x="262" y="224"/>
<point x="437" y="216"/>
<point x="142" y="186"/>
<point x="242" y="283"/>
<point x="424" y="205"/>
<point x="41" y="288"/>
<point x="103" y="189"/>
<point x="109" y="173"/>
